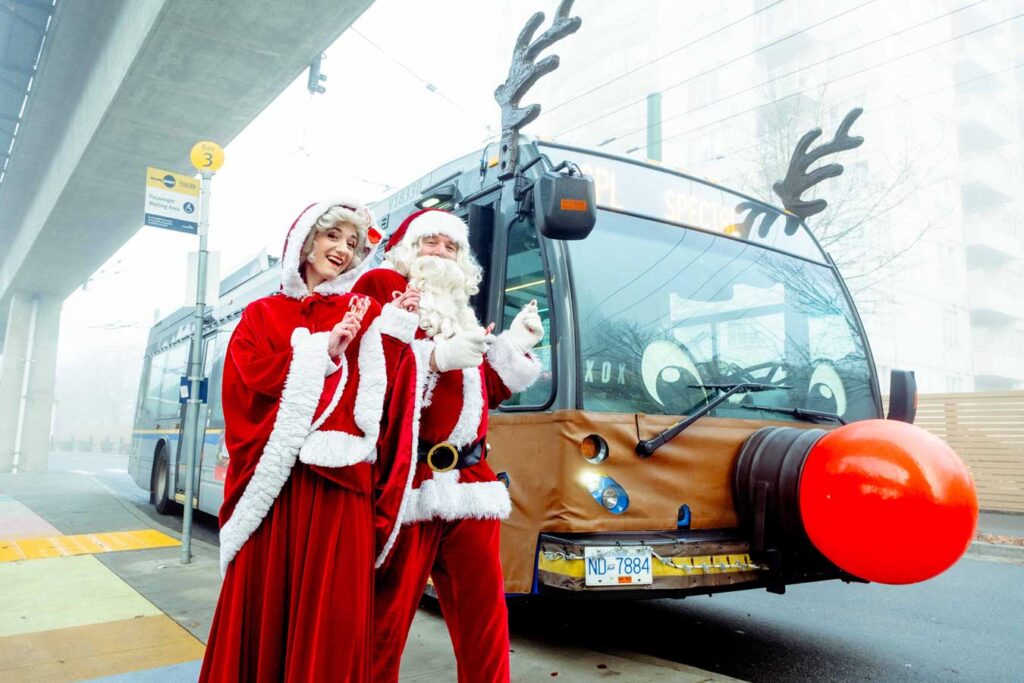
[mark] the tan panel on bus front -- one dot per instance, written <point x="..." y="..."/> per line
<point x="540" y="452"/>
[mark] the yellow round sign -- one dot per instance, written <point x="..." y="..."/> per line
<point x="207" y="156"/>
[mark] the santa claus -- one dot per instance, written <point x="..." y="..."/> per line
<point x="303" y="393"/>
<point x="451" y="509"/>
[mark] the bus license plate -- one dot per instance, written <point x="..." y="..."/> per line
<point x="617" y="566"/>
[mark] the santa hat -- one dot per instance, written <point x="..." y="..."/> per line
<point x="427" y="222"/>
<point x="369" y="237"/>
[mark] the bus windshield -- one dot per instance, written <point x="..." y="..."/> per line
<point x="665" y="312"/>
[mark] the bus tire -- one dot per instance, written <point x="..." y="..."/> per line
<point x="159" y="485"/>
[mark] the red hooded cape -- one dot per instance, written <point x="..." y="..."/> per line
<point x="297" y="525"/>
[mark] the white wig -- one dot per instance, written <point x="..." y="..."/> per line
<point x="401" y="257"/>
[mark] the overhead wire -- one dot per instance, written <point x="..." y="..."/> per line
<point x="896" y="102"/>
<point x="723" y="64"/>
<point x="834" y="80"/>
<point x="820" y="62"/>
<point x="960" y="83"/>
<point x="426" y="84"/>
<point x="664" y="56"/>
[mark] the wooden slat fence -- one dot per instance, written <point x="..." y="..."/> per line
<point x="986" y="429"/>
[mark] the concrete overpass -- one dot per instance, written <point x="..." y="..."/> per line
<point x="119" y="85"/>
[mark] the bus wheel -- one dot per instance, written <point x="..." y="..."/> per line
<point x="158" y="485"/>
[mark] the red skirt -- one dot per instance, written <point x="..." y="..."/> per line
<point x="296" y="602"/>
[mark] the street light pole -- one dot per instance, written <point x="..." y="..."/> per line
<point x="193" y="438"/>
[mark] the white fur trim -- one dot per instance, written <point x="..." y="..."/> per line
<point x="438" y="223"/>
<point x="299" y="399"/>
<point x="338" y="391"/>
<point x="421" y="348"/>
<point x="465" y="430"/>
<point x="444" y="497"/>
<point x="333" y="367"/>
<point x="337" y="449"/>
<point x="401" y="325"/>
<point x="373" y="382"/>
<point x="428" y="390"/>
<point x="517" y="370"/>
<point x="292" y="283"/>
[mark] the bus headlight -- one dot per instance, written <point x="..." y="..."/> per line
<point x="605" y="491"/>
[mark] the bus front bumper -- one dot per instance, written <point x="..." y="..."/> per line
<point x="658" y="564"/>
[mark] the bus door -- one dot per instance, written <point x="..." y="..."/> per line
<point x="203" y="422"/>
<point x="522" y="274"/>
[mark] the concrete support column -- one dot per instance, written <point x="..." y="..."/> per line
<point x="28" y="371"/>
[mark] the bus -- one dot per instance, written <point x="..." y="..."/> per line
<point x="665" y="303"/>
<point x="156" y="460"/>
<point x="699" y="345"/>
<point x="646" y="319"/>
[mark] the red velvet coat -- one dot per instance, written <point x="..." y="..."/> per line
<point x="450" y="406"/>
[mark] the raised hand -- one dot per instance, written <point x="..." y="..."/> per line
<point x="526" y="329"/>
<point x="343" y="333"/>
<point x="409" y="300"/>
<point x="464" y="350"/>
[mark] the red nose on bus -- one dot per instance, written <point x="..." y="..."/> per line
<point x="882" y="500"/>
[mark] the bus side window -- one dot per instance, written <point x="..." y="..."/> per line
<point x="149" y="412"/>
<point x="170" y="386"/>
<point x="525" y="279"/>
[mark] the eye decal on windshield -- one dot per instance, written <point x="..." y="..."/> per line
<point x="668" y="374"/>
<point x="826" y="391"/>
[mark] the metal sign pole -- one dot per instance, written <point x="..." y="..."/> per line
<point x="191" y="439"/>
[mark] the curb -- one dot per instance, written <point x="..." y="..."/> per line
<point x="998" y="551"/>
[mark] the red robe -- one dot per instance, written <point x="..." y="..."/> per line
<point x="297" y="525"/>
<point x="451" y="519"/>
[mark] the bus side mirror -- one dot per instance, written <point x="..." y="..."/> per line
<point x="563" y="206"/>
<point x="902" y="396"/>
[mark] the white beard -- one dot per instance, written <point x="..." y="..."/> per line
<point x="444" y="296"/>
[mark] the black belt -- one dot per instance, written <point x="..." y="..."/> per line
<point x="444" y="457"/>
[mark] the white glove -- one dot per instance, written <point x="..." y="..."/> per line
<point x="464" y="350"/>
<point x="526" y="329"/>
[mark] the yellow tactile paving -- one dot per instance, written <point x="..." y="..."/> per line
<point x="12" y="550"/>
<point x="85" y="652"/>
<point x="62" y="592"/>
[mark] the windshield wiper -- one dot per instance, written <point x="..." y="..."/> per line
<point x="646" y="448"/>
<point x="801" y="413"/>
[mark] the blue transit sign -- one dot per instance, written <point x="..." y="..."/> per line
<point x="171" y="200"/>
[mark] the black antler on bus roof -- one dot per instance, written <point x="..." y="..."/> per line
<point x="522" y="74"/>
<point x="798" y="180"/>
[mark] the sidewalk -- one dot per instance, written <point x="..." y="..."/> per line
<point x="94" y="590"/>
<point x="1000" y="536"/>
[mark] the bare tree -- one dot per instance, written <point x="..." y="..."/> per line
<point x="860" y="203"/>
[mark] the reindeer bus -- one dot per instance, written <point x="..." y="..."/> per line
<point x="708" y="417"/>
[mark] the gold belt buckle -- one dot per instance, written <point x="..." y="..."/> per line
<point x="443" y="447"/>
